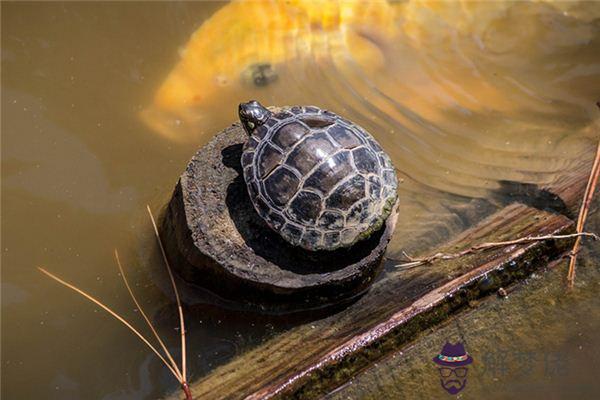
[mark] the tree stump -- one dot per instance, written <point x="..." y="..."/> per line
<point x="214" y="238"/>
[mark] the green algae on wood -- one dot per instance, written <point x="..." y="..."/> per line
<point x="533" y="343"/>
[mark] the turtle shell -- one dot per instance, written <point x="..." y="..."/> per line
<point x="319" y="180"/>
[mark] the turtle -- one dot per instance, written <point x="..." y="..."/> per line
<point x="319" y="180"/>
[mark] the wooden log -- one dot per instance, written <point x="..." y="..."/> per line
<point x="216" y="239"/>
<point x="399" y="306"/>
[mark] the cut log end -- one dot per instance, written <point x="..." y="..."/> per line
<point x="216" y="239"/>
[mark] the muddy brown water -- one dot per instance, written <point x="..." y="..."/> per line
<point x="463" y="97"/>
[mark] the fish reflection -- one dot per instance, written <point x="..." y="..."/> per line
<point x="410" y="63"/>
<point x="245" y="44"/>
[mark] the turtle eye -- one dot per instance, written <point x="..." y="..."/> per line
<point x="251" y="124"/>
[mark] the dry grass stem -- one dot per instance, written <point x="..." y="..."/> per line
<point x="180" y="375"/>
<point x="139" y="307"/>
<point x="583" y="212"/>
<point x="414" y="262"/>
<point x="180" y="309"/>
<point x="115" y="315"/>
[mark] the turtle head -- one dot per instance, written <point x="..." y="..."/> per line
<point x="252" y="115"/>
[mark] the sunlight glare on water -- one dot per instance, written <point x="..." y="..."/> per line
<point x="103" y="104"/>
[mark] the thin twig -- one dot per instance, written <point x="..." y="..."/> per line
<point x="137" y="304"/>
<point x="115" y="315"/>
<point x="413" y="262"/>
<point x="583" y="212"/>
<point x="181" y="320"/>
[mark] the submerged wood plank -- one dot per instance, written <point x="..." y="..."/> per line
<point x="309" y="360"/>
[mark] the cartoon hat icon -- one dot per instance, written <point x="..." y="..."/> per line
<point x="453" y="355"/>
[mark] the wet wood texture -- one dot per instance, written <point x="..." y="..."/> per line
<point x="312" y="359"/>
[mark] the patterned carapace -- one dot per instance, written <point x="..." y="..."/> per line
<point x="319" y="180"/>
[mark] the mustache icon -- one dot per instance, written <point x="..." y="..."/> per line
<point x="453" y="383"/>
<point x="453" y="386"/>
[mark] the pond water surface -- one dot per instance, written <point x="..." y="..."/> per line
<point x="103" y="104"/>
